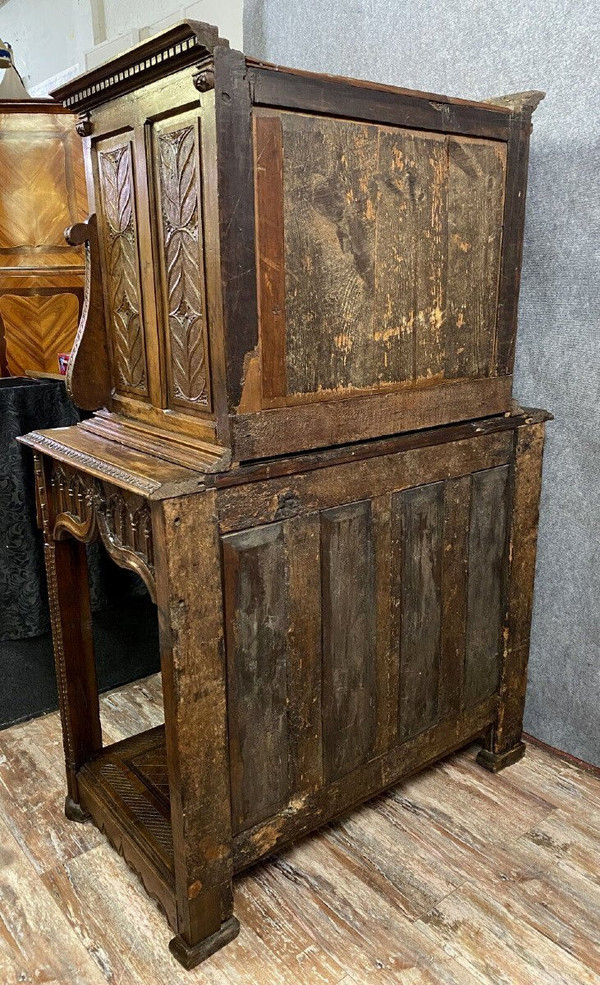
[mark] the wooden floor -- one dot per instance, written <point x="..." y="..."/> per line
<point x="454" y="878"/>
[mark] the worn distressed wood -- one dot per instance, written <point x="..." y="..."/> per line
<point x="243" y="506"/>
<point x="390" y="256"/>
<point x="506" y="736"/>
<point x="455" y="560"/>
<point x="487" y="562"/>
<point x="329" y="625"/>
<point x="420" y="513"/>
<point x="302" y="538"/>
<point x="349" y="678"/>
<point x="191" y="639"/>
<point x="257" y="620"/>
<point x="477" y="172"/>
<point x="285" y="261"/>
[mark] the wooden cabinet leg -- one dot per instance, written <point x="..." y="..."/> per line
<point x="190" y="608"/>
<point x="71" y="619"/>
<point x="504" y="745"/>
<point x="68" y="589"/>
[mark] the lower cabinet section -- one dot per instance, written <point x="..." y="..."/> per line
<point x="329" y="623"/>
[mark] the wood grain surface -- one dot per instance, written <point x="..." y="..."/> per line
<point x="456" y="877"/>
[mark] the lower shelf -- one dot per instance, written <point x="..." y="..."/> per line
<point x="126" y="791"/>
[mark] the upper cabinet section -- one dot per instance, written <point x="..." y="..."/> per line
<point x="291" y="261"/>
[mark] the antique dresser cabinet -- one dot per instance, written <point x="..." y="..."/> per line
<point x="298" y="338"/>
<point x="42" y="190"/>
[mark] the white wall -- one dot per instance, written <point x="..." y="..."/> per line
<point x="54" y="40"/>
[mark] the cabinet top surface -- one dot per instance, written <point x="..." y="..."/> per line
<point x="156" y="479"/>
<point x="189" y="43"/>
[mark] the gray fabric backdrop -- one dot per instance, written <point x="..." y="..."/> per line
<point x="474" y="49"/>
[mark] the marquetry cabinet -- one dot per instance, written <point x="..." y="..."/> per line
<point x="298" y="338"/>
<point x="292" y="261"/>
<point x="42" y="191"/>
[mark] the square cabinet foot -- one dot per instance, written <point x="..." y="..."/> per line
<point x="189" y="957"/>
<point x="498" y="761"/>
<point x="75" y="811"/>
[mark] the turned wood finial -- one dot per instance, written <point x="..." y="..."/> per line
<point x="518" y="101"/>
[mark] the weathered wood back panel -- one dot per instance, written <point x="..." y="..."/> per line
<point x="407" y="585"/>
<point x="390" y="255"/>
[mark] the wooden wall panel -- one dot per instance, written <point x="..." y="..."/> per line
<point x="349" y="668"/>
<point x="487" y="550"/>
<point x="256" y="616"/>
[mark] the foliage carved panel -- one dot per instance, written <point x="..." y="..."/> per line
<point x="85" y="508"/>
<point x="182" y="257"/>
<point x="122" y="264"/>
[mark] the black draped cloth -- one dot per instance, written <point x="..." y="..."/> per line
<point x="25" y="405"/>
<point x="32" y="405"/>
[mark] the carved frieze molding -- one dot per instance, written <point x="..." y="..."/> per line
<point x="145" y="486"/>
<point x="85" y="508"/>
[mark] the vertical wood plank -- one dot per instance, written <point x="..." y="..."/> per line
<point x="387" y="653"/>
<point x="190" y="612"/>
<point x="421" y="515"/>
<point x="302" y="537"/>
<point x="487" y="546"/>
<point x="475" y="207"/>
<point x="256" y="635"/>
<point x="529" y="448"/>
<point x="410" y="267"/>
<point x="349" y="709"/>
<point x="457" y="495"/>
<point x="268" y="165"/>
<point x="512" y="246"/>
<point x="329" y="218"/>
<point x="235" y="168"/>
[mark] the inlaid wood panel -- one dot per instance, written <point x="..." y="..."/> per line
<point x="177" y="166"/>
<point x="386" y="255"/>
<point x="36" y="328"/>
<point x="118" y="232"/>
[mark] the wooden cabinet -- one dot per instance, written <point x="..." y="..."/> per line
<point x="329" y="623"/>
<point x="299" y="328"/>
<point x="291" y="261"/>
<point x="42" y="192"/>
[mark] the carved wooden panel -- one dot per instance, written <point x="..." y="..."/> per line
<point x="36" y="328"/>
<point x="85" y="508"/>
<point x="381" y="264"/>
<point x="182" y="263"/>
<point x="119" y="235"/>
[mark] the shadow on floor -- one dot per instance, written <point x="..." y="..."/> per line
<point x="126" y="643"/>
